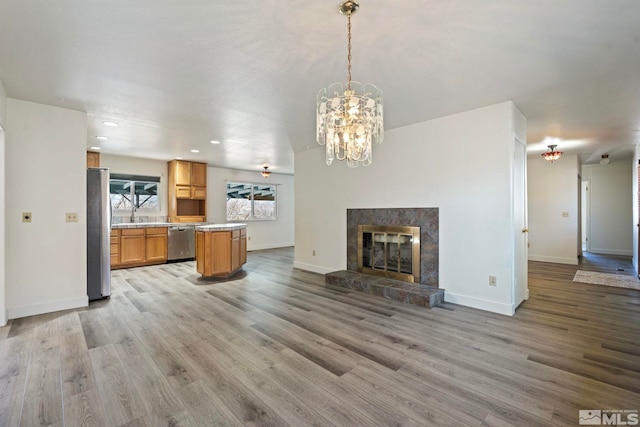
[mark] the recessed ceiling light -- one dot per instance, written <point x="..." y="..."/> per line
<point x="179" y="158"/>
<point x="215" y="142"/>
<point x="195" y="151"/>
<point x="102" y="138"/>
<point x="95" y="148"/>
<point x="112" y="124"/>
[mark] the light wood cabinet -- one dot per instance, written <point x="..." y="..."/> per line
<point x="220" y="254"/>
<point x="187" y="191"/>
<point x="93" y="159"/>
<point x="133" y="247"/>
<point x="156" y="244"/>
<point x="182" y="172"/>
<point x="115" y="248"/>
<point x="198" y="174"/>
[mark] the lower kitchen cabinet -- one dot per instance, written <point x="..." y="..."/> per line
<point x="156" y="244"/>
<point x="115" y="248"/>
<point x="220" y="253"/>
<point x="133" y="247"/>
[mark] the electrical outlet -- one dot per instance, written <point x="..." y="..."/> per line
<point x="26" y="216"/>
<point x="71" y="217"/>
<point x="493" y="280"/>
<point x="248" y="237"/>
<point x="565" y="214"/>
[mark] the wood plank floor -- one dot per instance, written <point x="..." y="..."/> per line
<point x="274" y="347"/>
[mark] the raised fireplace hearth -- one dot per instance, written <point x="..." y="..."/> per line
<point x="392" y="253"/>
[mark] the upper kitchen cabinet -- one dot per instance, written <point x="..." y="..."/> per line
<point x="187" y="191"/>
<point x="93" y="159"/>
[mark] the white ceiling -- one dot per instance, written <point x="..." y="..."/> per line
<point x="177" y="74"/>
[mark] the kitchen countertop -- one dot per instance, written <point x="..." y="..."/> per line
<point x="220" y="227"/>
<point x="154" y="224"/>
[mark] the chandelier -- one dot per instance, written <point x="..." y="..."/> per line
<point x="551" y="155"/>
<point x="265" y="171"/>
<point x="349" y="117"/>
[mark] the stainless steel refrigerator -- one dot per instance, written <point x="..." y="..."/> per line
<point x="98" y="234"/>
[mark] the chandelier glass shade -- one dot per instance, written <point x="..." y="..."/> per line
<point x="349" y="117"/>
<point x="551" y="155"/>
<point x="265" y="171"/>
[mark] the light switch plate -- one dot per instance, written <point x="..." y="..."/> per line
<point x="26" y="216"/>
<point x="71" y="217"/>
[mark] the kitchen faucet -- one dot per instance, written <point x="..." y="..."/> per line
<point x="133" y="209"/>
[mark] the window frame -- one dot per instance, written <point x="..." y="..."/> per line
<point x="252" y="200"/>
<point x="133" y="180"/>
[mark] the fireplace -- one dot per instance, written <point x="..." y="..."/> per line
<point x="424" y="220"/>
<point x="389" y="251"/>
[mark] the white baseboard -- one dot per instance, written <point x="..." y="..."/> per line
<point x="557" y="260"/>
<point x="611" y="252"/>
<point x="48" y="307"/>
<point x="268" y="246"/>
<point x="492" y="306"/>
<point x="314" y="268"/>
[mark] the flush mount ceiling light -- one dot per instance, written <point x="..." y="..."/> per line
<point x="195" y="151"/>
<point x="349" y="117"/>
<point x="112" y="124"/>
<point x="215" y="142"/>
<point x="605" y="160"/>
<point x="551" y="155"/>
<point x="101" y="138"/>
<point x="265" y="171"/>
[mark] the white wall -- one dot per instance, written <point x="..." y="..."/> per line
<point x="46" y="163"/>
<point x="611" y="211"/>
<point x="634" y="209"/>
<point x="3" y="121"/>
<point x="460" y="164"/>
<point x="553" y="189"/>
<point x="261" y="234"/>
<point x="138" y="166"/>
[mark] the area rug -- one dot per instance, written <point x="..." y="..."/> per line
<point x="607" y="279"/>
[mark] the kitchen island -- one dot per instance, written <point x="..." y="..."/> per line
<point x="221" y="249"/>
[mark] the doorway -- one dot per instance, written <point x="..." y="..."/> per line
<point x="585" y="215"/>
<point x="520" y="290"/>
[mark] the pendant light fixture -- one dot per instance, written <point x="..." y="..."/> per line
<point x="551" y="155"/>
<point x="265" y="171"/>
<point x="349" y="116"/>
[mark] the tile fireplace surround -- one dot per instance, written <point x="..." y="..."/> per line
<point x="425" y="218"/>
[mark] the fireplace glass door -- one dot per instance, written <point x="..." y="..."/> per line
<point x="389" y="251"/>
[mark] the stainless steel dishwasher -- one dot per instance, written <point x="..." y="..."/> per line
<point x="181" y="242"/>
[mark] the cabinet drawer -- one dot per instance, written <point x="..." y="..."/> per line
<point x="132" y="232"/>
<point x="156" y="230"/>
<point x="191" y="219"/>
<point x="243" y="232"/>
<point x="114" y="240"/>
<point x="235" y="234"/>
<point x="183" y="192"/>
<point x="199" y="193"/>
<point x="115" y="233"/>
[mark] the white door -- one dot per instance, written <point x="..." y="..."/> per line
<point x="520" y="232"/>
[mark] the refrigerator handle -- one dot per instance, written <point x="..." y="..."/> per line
<point x="110" y="214"/>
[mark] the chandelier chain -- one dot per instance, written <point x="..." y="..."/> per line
<point x="349" y="51"/>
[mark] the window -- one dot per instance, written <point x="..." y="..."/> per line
<point x="128" y="191"/>
<point x="246" y="202"/>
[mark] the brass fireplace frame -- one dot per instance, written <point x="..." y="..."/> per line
<point x="414" y="232"/>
